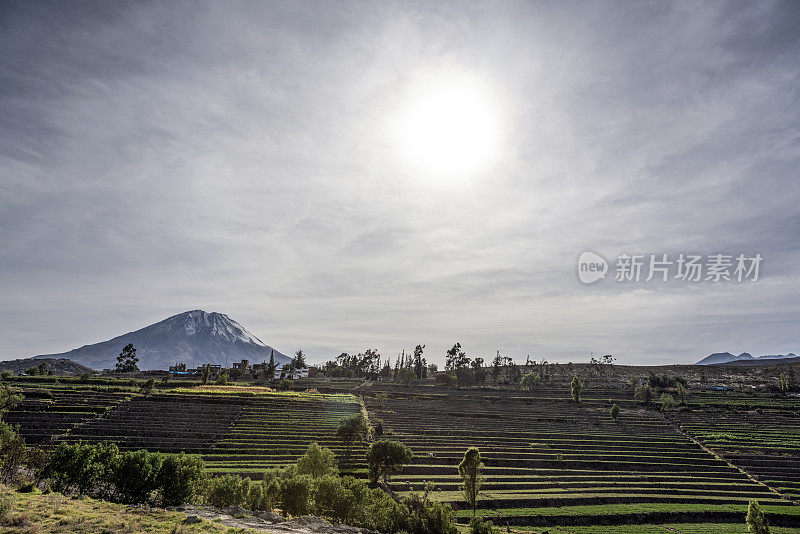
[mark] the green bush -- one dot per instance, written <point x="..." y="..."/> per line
<point x="317" y="462"/>
<point x="13" y="452"/>
<point x="477" y="526"/>
<point x="285" y="385"/>
<point x="137" y="475"/>
<point x="297" y="494"/>
<point x="228" y="490"/>
<point x="644" y="394"/>
<point x="74" y="466"/>
<point x="332" y="499"/>
<point x="181" y="478"/>
<point x="667" y="401"/>
<point x="428" y="517"/>
<point x="615" y="412"/>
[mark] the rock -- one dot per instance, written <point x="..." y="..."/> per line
<point x="311" y="522"/>
<point x="192" y="519"/>
<point x="270" y="516"/>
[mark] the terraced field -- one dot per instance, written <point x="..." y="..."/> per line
<point x="49" y="413"/>
<point x="274" y="430"/>
<point x="763" y="442"/>
<point x="552" y="462"/>
<point x="235" y="431"/>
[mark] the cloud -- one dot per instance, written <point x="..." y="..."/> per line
<point x="239" y="158"/>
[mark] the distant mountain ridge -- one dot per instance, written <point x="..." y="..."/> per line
<point x="193" y="337"/>
<point x="726" y="357"/>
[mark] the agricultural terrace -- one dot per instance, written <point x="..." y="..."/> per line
<point x="763" y="442"/>
<point x="274" y="429"/>
<point x="241" y="430"/>
<point x="51" y="411"/>
<point x="551" y="462"/>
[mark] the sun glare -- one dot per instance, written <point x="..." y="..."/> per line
<point x="449" y="132"/>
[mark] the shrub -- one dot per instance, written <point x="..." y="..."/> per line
<point x="222" y="379"/>
<point x="228" y="490"/>
<point x="74" y="466"/>
<point x="332" y="499"/>
<point x="428" y="517"/>
<point x="577" y="387"/>
<point x="285" y="385"/>
<point x="13" y="452"/>
<point x="6" y="505"/>
<point x="181" y="478"/>
<point x="529" y="381"/>
<point x="477" y="526"/>
<point x="5" y="375"/>
<point x="386" y="458"/>
<point x="615" y="412"/>
<point x="137" y="475"/>
<point x="296" y="495"/>
<point x="667" y="401"/>
<point x="317" y="462"/>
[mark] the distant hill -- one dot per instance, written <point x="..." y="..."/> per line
<point x="194" y="338"/>
<point x="745" y="358"/>
<point x="755" y="362"/>
<point x="60" y="366"/>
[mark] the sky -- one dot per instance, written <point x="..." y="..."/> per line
<point x="340" y="176"/>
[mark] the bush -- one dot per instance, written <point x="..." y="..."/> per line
<point x="351" y="429"/>
<point x="5" y="375"/>
<point x="332" y="499"/>
<point x="615" y="412"/>
<point x="222" y="379"/>
<point x="228" y="490"/>
<point x="667" y="401"/>
<point x="13" y="452"/>
<point x="529" y="381"/>
<point x="285" y="385"/>
<point x="428" y="517"/>
<point x="317" y="462"/>
<point x="6" y="505"/>
<point x="577" y="387"/>
<point x="74" y="466"/>
<point x="644" y="394"/>
<point x="137" y="475"/>
<point x="296" y="495"/>
<point x="181" y="478"/>
<point x="477" y="526"/>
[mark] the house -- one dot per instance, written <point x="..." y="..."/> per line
<point x="286" y="371"/>
<point x="244" y="365"/>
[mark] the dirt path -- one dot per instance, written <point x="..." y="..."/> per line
<point x="267" y="521"/>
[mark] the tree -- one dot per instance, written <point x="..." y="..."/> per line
<point x="756" y="521"/>
<point x="479" y="371"/>
<point x="667" y="401"/>
<point x="147" y="387"/>
<point x="386" y="458"/>
<point x="644" y="394"/>
<point x="406" y="376"/>
<point x="222" y="379"/>
<point x="470" y="470"/>
<point x="577" y="387"/>
<point x="497" y="366"/>
<point x="352" y="429"/>
<point x="317" y="462"/>
<point x="127" y="360"/>
<point x="206" y="372"/>
<point x="299" y="360"/>
<point x="615" y="413"/>
<point x="272" y="366"/>
<point x="420" y="369"/>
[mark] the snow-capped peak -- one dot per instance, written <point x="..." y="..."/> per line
<point x="197" y="322"/>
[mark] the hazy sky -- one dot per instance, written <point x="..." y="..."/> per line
<point x="249" y="158"/>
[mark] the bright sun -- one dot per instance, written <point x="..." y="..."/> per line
<point x="450" y="131"/>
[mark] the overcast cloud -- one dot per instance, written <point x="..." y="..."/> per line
<point x="157" y="157"/>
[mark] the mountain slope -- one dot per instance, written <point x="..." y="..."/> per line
<point x="719" y="358"/>
<point x="194" y="338"/>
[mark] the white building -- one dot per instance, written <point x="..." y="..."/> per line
<point x="286" y="371"/>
